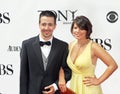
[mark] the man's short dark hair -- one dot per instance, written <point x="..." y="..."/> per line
<point x="48" y="13"/>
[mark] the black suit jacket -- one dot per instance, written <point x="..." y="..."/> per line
<point x="33" y="77"/>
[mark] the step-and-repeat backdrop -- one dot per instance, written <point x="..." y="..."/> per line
<point x="19" y="21"/>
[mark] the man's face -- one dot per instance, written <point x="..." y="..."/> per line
<point x="47" y="26"/>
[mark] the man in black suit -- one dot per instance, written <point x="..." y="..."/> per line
<point x="41" y="59"/>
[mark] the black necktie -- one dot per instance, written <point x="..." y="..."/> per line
<point x="45" y="43"/>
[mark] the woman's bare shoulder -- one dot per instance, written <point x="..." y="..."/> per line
<point x="95" y="45"/>
<point x="71" y="43"/>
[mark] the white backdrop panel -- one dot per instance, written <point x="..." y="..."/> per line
<point x="19" y="21"/>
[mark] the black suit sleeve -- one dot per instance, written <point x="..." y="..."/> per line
<point x="65" y="67"/>
<point x="24" y="71"/>
<point x="67" y="70"/>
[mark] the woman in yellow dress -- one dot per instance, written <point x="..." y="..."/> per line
<point x="82" y="58"/>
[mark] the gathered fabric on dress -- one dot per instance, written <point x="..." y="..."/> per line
<point x="82" y="67"/>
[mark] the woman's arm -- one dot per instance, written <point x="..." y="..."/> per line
<point x="62" y="82"/>
<point x="107" y="60"/>
<point x="99" y="52"/>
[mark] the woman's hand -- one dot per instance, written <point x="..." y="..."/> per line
<point x="62" y="85"/>
<point x="88" y="81"/>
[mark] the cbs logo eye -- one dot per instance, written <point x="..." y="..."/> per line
<point x="112" y="17"/>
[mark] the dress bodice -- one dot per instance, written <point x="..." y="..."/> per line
<point x="83" y="63"/>
<point x="82" y="67"/>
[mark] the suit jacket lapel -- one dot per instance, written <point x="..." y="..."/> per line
<point x="51" y="54"/>
<point x="37" y="50"/>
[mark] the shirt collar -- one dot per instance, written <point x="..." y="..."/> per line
<point x="41" y="39"/>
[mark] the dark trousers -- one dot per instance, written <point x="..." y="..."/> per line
<point x="57" y="92"/>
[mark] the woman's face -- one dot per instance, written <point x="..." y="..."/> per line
<point x="78" y="33"/>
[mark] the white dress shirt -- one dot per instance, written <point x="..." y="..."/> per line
<point x="46" y="50"/>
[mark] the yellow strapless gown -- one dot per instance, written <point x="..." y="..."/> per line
<point x="81" y="68"/>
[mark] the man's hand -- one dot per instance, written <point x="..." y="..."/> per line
<point x="49" y="90"/>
